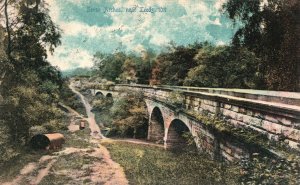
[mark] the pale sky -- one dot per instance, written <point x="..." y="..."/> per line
<point x="109" y="26"/>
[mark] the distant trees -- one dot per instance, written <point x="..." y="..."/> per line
<point x="263" y="54"/>
<point x="172" y="67"/>
<point x="109" y="66"/>
<point x="199" y="64"/>
<point x="124" y="68"/>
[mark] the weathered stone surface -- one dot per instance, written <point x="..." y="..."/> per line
<point x="293" y="144"/>
<point x="249" y="113"/>
<point x="272" y="127"/>
<point x="276" y="114"/>
<point x="226" y="106"/>
<point x="235" y="108"/>
<point x="284" y="121"/>
<point x="291" y="133"/>
<point x="252" y="120"/>
<point x="208" y="108"/>
<point x="271" y="118"/>
<point x="242" y="110"/>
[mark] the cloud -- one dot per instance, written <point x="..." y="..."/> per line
<point x="220" y="43"/>
<point x="184" y="22"/>
<point x="219" y="3"/>
<point x="68" y="58"/>
<point x="217" y="22"/>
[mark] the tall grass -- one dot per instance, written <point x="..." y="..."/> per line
<point x="152" y="165"/>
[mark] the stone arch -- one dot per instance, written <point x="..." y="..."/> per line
<point x="99" y="93"/>
<point x="174" y="135"/>
<point x="156" y="126"/>
<point x="109" y="95"/>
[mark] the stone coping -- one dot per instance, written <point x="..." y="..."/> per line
<point x="282" y="108"/>
<point x="281" y="97"/>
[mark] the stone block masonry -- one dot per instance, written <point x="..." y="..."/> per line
<point x="274" y="114"/>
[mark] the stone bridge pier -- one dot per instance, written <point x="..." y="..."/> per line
<point x="156" y="126"/>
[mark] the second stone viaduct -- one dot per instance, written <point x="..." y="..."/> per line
<point x="174" y="110"/>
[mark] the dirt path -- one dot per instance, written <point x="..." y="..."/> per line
<point x="90" y="164"/>
<point x="95" y="130"/>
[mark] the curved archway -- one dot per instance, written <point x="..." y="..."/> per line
<point x="99" y="93"/>
<point x="178" y="135"/>
<point x="156" y="126"/>
<point x="109" y="95"/>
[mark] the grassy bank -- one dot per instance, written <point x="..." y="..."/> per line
<point x="69" y="98"/>
<point x="152" y="165"/>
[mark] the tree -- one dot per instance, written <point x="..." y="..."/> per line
<point x="270" y="31"/>
<point x="144" y="67"/>
<point x="172" y="67"/>
<point x="30" y="85"/>
<point x="129" y="113"/>
<point x="129" y="70"/>
<point x="225" y="66"/>
<point x="109" y="66"/>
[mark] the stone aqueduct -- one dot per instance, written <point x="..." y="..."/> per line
<point x="274" y="114"/>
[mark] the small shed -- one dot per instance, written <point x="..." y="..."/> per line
<point x="47" y="141"/>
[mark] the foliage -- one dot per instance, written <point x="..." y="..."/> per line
<point x="263" y="170"/>
<point x="29" y="84"/>
<point x="144" y="164"/>
<point x="124" y="68"/>
<point x="77" y="72"/>
<point x="69" y="98"/>
<point x="26" y="107"/>
<point x="176" y="99"/>
<point x="109" y="66"/>
<point x="225" y="67"/>
<point x="129" y="113"/>
<point x="101" y="102"/>
<point x="171" y="68"/>
<point x="128" y="71"/>
<point x="269" y="28"/>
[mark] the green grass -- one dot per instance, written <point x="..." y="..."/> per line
<point x="68" y="164"/>
<point x="153" y="165"/>
<point x="73" y="161"/>
<point x="79" y="138"/>
<point x="56" y="179"/>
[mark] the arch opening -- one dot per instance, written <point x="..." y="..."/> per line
<point x="179" y="136"/>
<point x="109" y="95"/>
<point x="156" y="126"/>
<point x="99" y="94"/>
